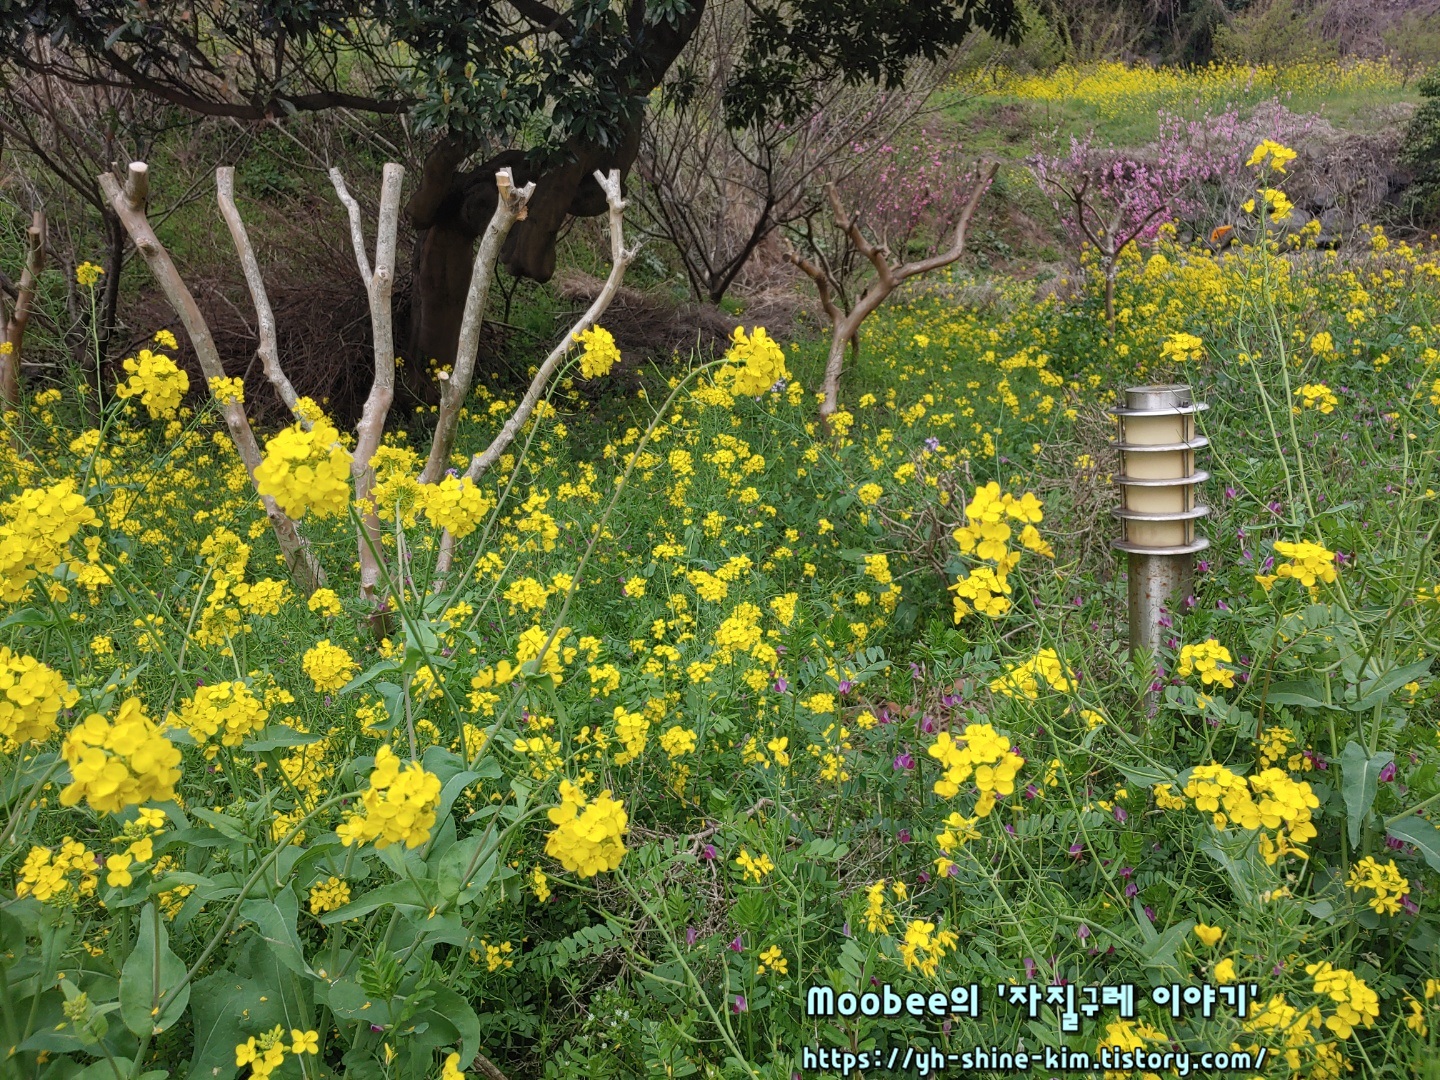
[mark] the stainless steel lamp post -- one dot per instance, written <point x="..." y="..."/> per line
<point x="1158" y="505"/>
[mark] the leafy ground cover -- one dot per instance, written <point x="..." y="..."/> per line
<point x="714" y="705"/>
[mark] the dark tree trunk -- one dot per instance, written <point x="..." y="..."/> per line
<point x="450" y="208"/>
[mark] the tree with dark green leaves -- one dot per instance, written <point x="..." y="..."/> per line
<point x="1421" y="150"/>
<point x="553" y="91"/>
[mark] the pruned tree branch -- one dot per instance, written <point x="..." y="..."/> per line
<point x="620" y="259"/>
<point x="379" y="285"/>
<point x="19" y="317"/>
<point x="128" y="202"/>
<point x="268" y="348"/>
<point x="509" y="209"/>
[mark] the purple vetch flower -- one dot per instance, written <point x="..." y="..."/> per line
<point x="1030" y="970"/>
<point x="739" y="1006"/>
<point x="1387" y="773"/>
<point x="1009" y="829"/>
<point x="377" y="1027"/>
<point x="738" y="943"/>
<point x="782" y="684"/>
<point x="903" y="836"/>
<point x="923" y="877"/>
<point x="1031" y="791"/>
<point x="1203" y="565"/>
<point x="708" y="853"/>
<point x="1077" y="850"/>
<point x="1394" y="844"/>
<point x="845" y="929"/>
<point x="1131" y="889"/>
<point x="932" y="444"/>
<point x="905" y="761"/>
<point x="1275" y="507"/>
<point x="845" y="686"/>
<point x="928" y="725"/>
<point x="1230" y="492"/>
<point x="1341" y="558"/>
<point x="1411" y="908"/>
<point x="1150" y="913"/>
<point x="691" y="935"/>
<point x="1120" y="814"/>
<point x="1220" y="605"/>
<point x="1190" y="601"/>
<point x="1083" y="933"/>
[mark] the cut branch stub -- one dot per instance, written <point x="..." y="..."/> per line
<point x="509" y="208"/>
<point x="379" y="284"/>
<point x="128" y="203"/>
<point x="18" y="319"/>
<point x="620" y="259"/>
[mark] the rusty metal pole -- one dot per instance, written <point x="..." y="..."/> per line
<point x="1158" y="508"/>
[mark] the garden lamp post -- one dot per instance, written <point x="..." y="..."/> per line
<point x="1158" y="509"/>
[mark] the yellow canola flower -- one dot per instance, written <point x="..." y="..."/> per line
<point x="398" y="807"/>
<point x="589" y="836"/>
<point x="981" y="752"/>
<point x="599" y="352"/>
<point x="31" y="697"/>
<point x="754" y="363"/>
<point x="456" y="505"/>
<point x="306" y="471"/>
<point x="329" y="666"/>
<point x="156" y="381"/>
<point x="1272" y="153"/>
<point x="120" y="764"/>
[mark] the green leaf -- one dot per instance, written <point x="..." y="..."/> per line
<point x="226" y="1009"/>
<point x="1303" y="692"/>
<point x="399" y="893"/>
<point x="27" y="617"/>
<point x="275" y="922"/>
<point x="1376" y="691"/>
<point x="1146" y="776"/>
<point x="1359" y="777"/>
<point x="1416" y="830"/>
<point x="281" y="736"/>
<point x="150" y="972"/>
<point x="457" y="1010"/>
<point x="1159" y="952"/>
<point x="454" y="863"/>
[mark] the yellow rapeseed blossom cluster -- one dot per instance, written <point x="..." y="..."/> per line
<point x="329" y="666"/>
<point x="1271" y="800"/>
<point x="599" y="352"/>
<point x="878" y="918"/>
<point x="589" y="836"/>
<point x="36" y="527"/>
<point x="1024" y="680"/>
<point x="31" y="697"/>
<point x="398" y="806"/>
<point x="1182" y="347"/>
<point x="1356" y="1005"/>
<point x="47" y="874"/>
<point x="266" y="1053"/>
<point x="227" y="709"/>
<point x="1305" y="562"/>
<point x="306" y="471"/>
<point x="1389" y="886"/>
<point x="156" y="381"/>
<point x="456" y="505"/>
<point x="1204" y="660"/>
<point x="1316" y="396"/>
<point x="1270" y="154"/>
<point x="753" y="868"/>
<point x="981" y="752"/>
<point x="120" y="764"/>
<point x="754" y="363"/>
<point x="227" y="390"/>
<point x="986" y="535"/>
<point x="329" y="895"/>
